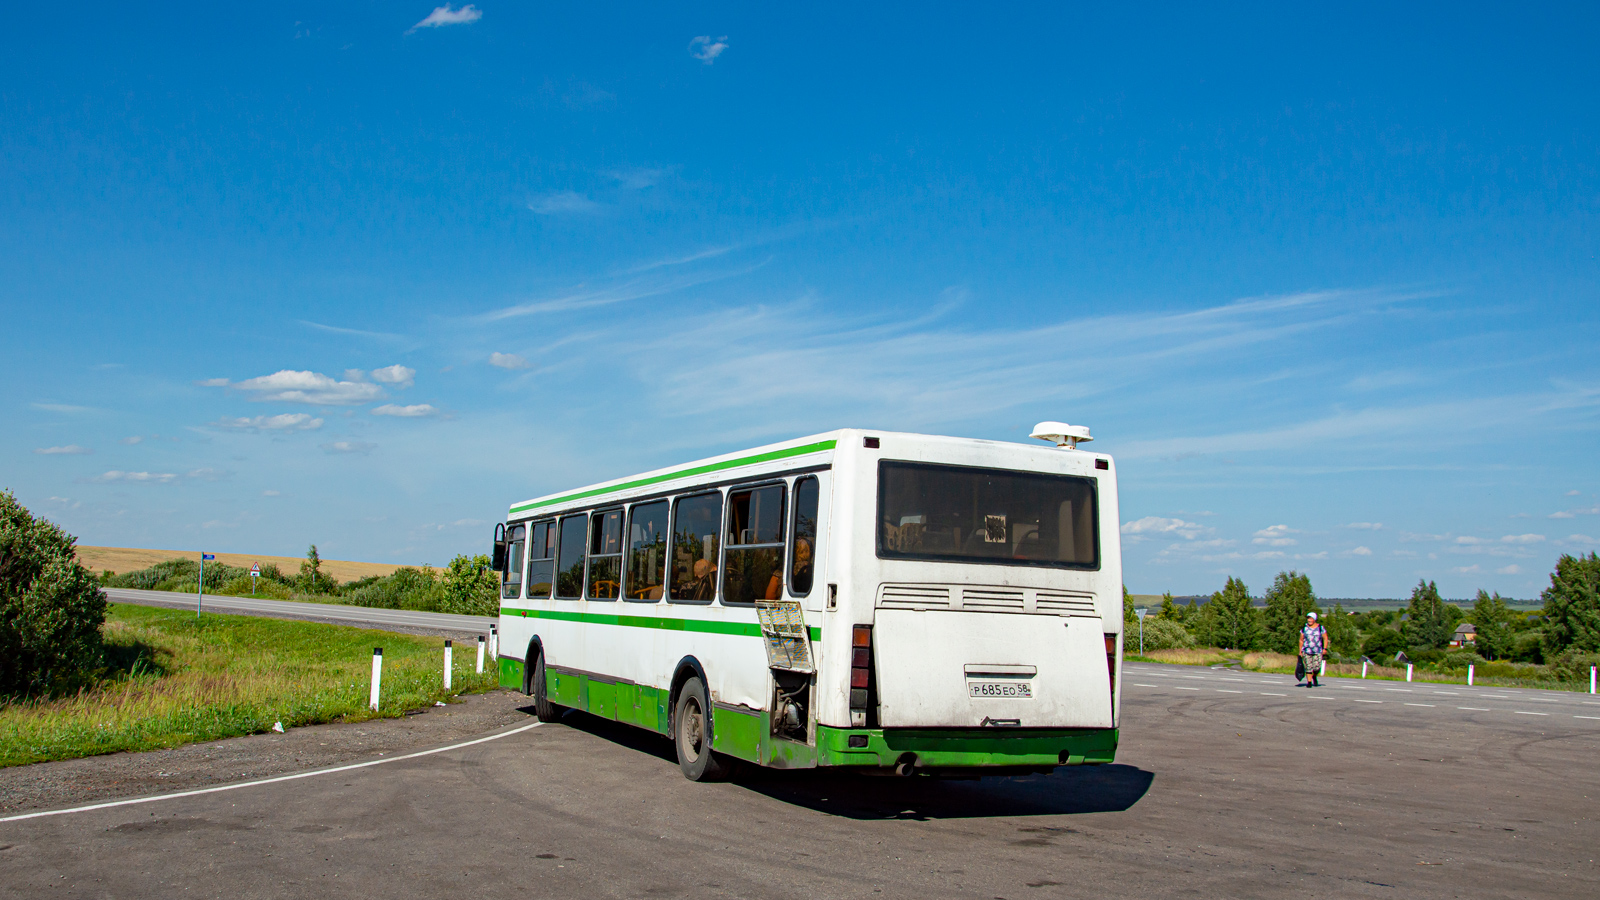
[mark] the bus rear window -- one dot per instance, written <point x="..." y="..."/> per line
<point x="992" y="516"/>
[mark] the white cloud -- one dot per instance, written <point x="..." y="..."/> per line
<point x="1275" y="536"/>
<point x="135" y="477"/>
<point x="1512" y="569"/>
<point x="281" y="422"/>
<point x="208" y="474"/>
<point x="1580" y="539"/>
<point x="1467" y="540"/>
<point x="444" y="15"/>
<point x="1361" y="551"/>
<point x="1467" y="570"/>
<point x="1564" y="514"/>
<point x="1365" y="526"/>
<point x="289" y="386"/>
<point x="1573" y="513"/>
<point x="62" y="407"/>
<point x="1574" y="493"/>
<point x="399" y="376"/>
<point x="1159" y="525"/>
<point x="706" y="50"/>
<point x="68" y="450"/>
<point x="354" y="375"/>
<point x="562" y="202"/>
<point x="132" y="440"/>
<point x="349" y="447"/>
<point x="508" y="361"/>
<point x="405" y="412"/>
<point x="636" y="179"/>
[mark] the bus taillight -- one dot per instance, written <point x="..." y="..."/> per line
<point x="861" y="705"/>
<point x="1111" y="661"/>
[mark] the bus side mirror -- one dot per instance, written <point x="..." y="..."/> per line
<point x="499" y="558"/>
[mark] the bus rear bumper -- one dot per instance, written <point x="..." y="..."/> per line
<point x="965" y="748"/>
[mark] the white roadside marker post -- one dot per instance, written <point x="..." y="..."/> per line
<point x="494" y="643"/>
<point x="447" y="665"/>
<point x="1469" y="674"/>
<point x="1591" y="679"/>
<point x="1324" y="670"/>
<point x="1408" y="673"/>
<point x="377" y="676"/>
<point x="1363" y="668"/>
<point x="480" y="654"/>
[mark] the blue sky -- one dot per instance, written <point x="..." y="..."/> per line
<point x="362" y="274"/>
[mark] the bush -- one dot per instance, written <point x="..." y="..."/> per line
<point x="470" y="588"/>
<point x="1528" y="647"/>
<point x="405" y="588"/>
<point x="1159" y="634"/>
<point x="1383" y="644"/>
<point x="1458" y="660"/>
<point x="1573" y="665"/>
<point x="51" y="607"/>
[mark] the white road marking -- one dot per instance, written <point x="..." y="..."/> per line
<point x="1137" y="684"/>
<point x="1401" y="690"/>
<point x="1523" y="713"/>
<point x="1475" y="708"/>
<point x="1359" y="700"/>
<point x="1265" y="694"/>
<point x="245" y="784"/>
<point x="1597" y="718"/>
<point x="1445" y="693"/>
<point x="1226" y="691"/>
<point x="1326" y="698"/>
<point x="1182" y="688"/>
<point x="1428" y="705"/>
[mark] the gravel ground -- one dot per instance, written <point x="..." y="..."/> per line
<point x="76" y="781"/>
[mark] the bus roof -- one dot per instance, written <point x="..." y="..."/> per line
<point x="791" y="449"/>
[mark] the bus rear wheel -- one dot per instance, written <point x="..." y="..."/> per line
<point x="542" y="707"/>
<point x="691" y="735"/>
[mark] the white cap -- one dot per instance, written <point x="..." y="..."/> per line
<point x="1312" y="615"/>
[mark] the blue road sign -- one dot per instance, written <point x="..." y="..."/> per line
<point x="208" y="556"/>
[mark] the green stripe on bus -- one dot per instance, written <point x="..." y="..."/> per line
<point x="818" y="447"/>
<point x="665" y="623"/>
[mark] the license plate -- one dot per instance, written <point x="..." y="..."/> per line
<point x="1020" y="689"/>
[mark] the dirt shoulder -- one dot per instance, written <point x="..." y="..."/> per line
<point x="115" y="776"/>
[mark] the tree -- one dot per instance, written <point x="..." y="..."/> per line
<point x="1288" y="601"/>
<point x="1169" y="610"/>
<point x="1572" y="605"/>
<point x="1229" y="620"/>
<point x="469" y="587"/>
<point x="1343" y="638"/>
<point x="51" y="607"/>
<point x="1427" y="623"/>
<point x="1128" y="615"/>
<point x="1492" y="618"/>
<point x="311" y="580"/>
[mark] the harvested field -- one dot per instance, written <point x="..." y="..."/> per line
<point x="128" y="559"/>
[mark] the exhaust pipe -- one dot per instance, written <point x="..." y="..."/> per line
<point x="907" y="766"/>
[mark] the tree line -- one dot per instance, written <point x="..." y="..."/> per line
<point x="1564" y="635"/>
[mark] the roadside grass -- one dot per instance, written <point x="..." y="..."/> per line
<point x="173" y="679"/>
<point x="1489" y="674"/>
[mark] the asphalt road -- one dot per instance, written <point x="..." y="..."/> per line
<point x="1215" y="794"/>
<point x="320" y="612"/>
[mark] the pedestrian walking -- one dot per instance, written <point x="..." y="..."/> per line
<point x="1313" y="643"/>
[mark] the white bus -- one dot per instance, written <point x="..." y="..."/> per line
<point x="890" y="602"/>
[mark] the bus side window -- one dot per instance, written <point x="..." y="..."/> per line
<point x="569" y="558"/>
<point x="512" y="588"/>
<point x="541" y="559"/>
<point x="754" y="558"/>
<point x="696" y="522"/>
<point x="647" y="552"/>
<point x="605" y="554"/>
<point x="802" y="554"/>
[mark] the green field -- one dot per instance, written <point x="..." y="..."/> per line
<point x="173" y="679"/>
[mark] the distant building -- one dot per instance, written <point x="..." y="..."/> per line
<point x="1466" y="635"/>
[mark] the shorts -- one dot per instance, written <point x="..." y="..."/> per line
<point x="1313" y="663"/>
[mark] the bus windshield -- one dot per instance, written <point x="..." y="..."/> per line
<point x="992" y="516"/>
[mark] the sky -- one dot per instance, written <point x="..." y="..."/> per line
<point x="1322" y="280"/>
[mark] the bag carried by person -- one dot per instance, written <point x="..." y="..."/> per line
<point x="1299" y="668"/>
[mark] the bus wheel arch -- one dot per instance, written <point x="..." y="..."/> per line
<point x="687" y="668"/>
<point x="535" y="652"/>
<point x="691" y="728"/>
<point x="538" y="684"/>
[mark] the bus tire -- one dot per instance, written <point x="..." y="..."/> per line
<point x="542" y="707"/>
<point x="691" y="735"/>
